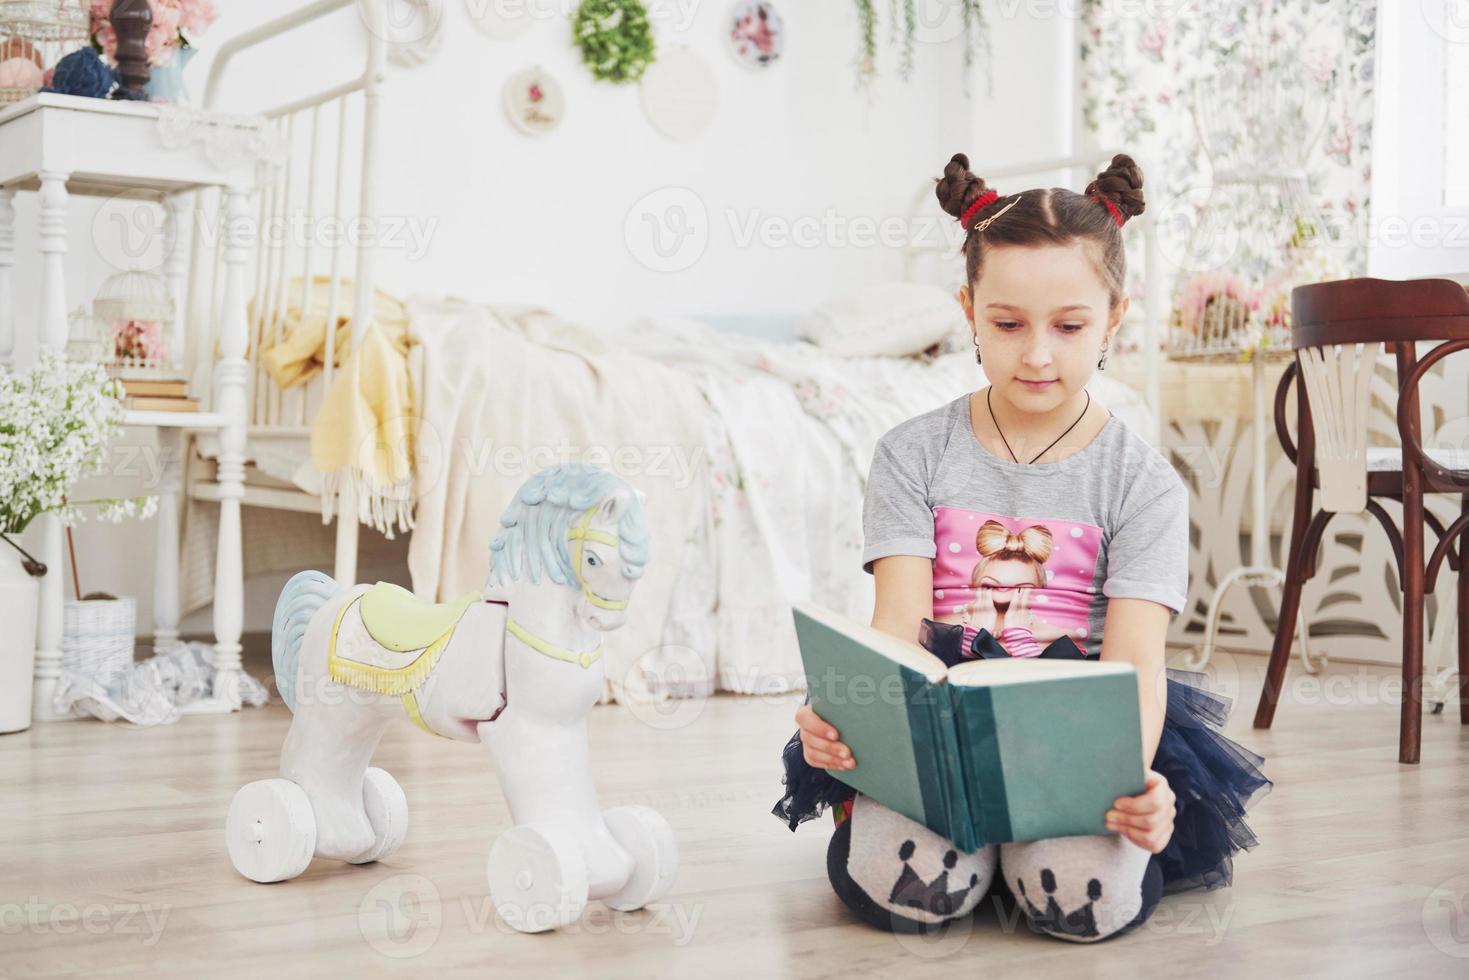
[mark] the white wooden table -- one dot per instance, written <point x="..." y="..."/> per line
<point x="60" y="146"/>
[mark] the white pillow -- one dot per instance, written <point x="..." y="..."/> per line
<point x="893" y="319"/>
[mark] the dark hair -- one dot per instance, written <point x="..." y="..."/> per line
<point x="1049" y="216"/>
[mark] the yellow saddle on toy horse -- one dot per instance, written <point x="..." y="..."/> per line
<point x="388" y="640"/>
<point x="401" y="621"/>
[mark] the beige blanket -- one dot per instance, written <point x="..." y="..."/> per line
<point x="506" y="390"/>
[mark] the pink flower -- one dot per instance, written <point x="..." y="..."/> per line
<point x="1197" y="292"/>
<point x="142" y="339"/>
<point x="169" y="17"/>
<point x="196" y="16"/>
<point x="1153" y="38"/>
<point x="1319" y="64"/>
<point x="1340" y="142"/>
<point x="755" y="28"/>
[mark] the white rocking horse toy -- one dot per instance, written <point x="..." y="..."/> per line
<point x="516" y="669"/>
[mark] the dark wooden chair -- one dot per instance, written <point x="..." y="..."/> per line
<point x="1339" y="329"/>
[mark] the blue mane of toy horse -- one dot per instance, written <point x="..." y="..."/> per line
<point x="546" y="507"/>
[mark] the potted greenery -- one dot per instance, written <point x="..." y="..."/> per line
<point x="55" y="421"/>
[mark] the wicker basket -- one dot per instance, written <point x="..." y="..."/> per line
<point x="97" y="636"/>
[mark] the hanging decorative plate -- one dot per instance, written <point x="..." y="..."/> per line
<point x="500" y="20"/>
<point x="757" y="35"/>
<point x="417" y="39"/>
<point x="678" y="94"/>
<point x="534" y="101"/>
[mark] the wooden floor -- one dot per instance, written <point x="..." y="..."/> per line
<point x="112" y="859"/>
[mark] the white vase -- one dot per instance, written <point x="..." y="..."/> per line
<point x="19" y="596"/>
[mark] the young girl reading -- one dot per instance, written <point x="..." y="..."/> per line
<point x="1023" y="520"/>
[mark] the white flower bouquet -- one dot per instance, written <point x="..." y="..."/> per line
<point x="55" y="423"/>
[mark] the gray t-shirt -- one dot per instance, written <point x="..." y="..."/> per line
<point x="1029" y="552"/>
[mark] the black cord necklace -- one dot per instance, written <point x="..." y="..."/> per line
<point x="988" y="400"/>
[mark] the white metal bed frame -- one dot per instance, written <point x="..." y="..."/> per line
<point x="274" y="414"/>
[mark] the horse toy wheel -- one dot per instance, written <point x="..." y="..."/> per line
<point x="538" y="879"/>
<point x="270" y="830"/>
<point x="649" y="840"/>
<point x="387" y="811"/>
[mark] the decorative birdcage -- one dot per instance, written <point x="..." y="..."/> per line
<point x="87" y="341"/>
<point x="34" y="36"/>
<point x="136" y="312"/>
<point x="1254" y="230"/>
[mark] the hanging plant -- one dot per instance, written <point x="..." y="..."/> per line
<point x="910" y="22"/>
<point x="615" y="38"/>
<point x="975" y="33"/>
<point x="867" y="54"/>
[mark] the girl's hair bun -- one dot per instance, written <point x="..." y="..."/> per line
<point x="1122" y="184"/>
<point x="958" y="188"/>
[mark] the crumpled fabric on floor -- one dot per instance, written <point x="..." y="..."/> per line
<point x="152" y="691"/>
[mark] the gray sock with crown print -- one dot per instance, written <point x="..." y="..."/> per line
<point x="897" y="874"/>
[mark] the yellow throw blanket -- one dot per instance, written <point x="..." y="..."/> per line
<point x="301" y="351"/>
<point x="362" y="439"/>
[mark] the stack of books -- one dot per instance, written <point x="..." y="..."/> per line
<point x="158" y="395"/>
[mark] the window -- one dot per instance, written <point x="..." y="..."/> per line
<point x="1419" y="221"/>
<point x="1456" y="107"/>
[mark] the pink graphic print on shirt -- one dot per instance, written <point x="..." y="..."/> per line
<point x="1028" y="581"/>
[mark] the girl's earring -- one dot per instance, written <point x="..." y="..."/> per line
<point x="976" y="355"/>
<point x="1102" y="361"/>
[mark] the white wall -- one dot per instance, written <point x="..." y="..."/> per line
<point x="516" y="218"/>
<point x="543" y="219"/>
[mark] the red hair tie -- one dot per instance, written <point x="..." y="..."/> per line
<point x="1116" y="214"/>
<point x="980" y="203"/>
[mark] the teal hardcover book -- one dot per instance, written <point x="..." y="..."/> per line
<point x="985" y="752"/>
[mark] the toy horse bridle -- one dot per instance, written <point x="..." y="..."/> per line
<point x="580" y="534"/>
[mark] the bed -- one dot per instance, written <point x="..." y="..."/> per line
<point x="750" y="441"/>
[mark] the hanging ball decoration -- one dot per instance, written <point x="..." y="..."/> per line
<point x="615" y="38"/>
<point x="501" y="21"/>
<point x="19" y="73"/>
<point x="756" y="33"/>
<point x="82" y="73"/>
<point x="534" y="101"/>
<point x="416" y="39"/>
<point x="678" y="93"/>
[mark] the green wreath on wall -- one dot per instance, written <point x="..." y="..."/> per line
<point x="615" y="38"/>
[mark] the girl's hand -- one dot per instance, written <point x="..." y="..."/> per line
<point x="981" y="612"/>
<point x="819" y="742"/>
<point x="1020" y="612"/>
<point x="1145" y="819"/>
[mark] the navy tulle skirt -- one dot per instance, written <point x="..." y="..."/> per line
<point x="1214" y="779"/>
